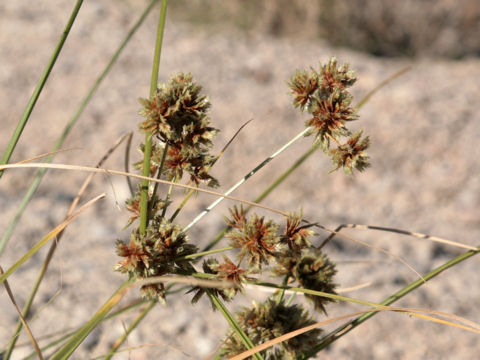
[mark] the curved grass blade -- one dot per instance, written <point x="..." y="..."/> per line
<point x="297" y="332"/>
<point x="398" y="231"/>
<point x="131" y="327"/>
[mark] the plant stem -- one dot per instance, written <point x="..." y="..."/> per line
<point x="233" y="323"/>
<point x="67" y="350"/>
<point x="132" y="326"/>
<point x="267" y="192"/>
<point x="342" y="330"/>
<point x="36" y="93"/>
<point x="205" y="253"/>
<point x="281" y="294"/>
<point x="155" y="188"/>
<point x="246" y="177"/>
<point x="38" y="177"/>
<point x="66" y="336"/>
<point x="180" y="207"/>
<point x="148" y="136"/>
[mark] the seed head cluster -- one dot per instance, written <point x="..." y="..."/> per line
<point x="325" y="97"/>
<point x="267" y="321"/>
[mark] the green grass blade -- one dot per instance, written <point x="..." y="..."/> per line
<point x="247" y="176"/>
<point x="232" y="322"/>
<point x="45" y="240"/>
<point x="342" y="330"/>
<point x="36" y="93"/>
<point x="67" y="350"/>
<point x="68" y="335"/>
<point x="148" y="136"/>
<point x="266" y="192"/>
<point x="39" y="175"/>
<point x="132" y="326"/>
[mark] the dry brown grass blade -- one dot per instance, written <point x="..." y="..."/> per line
<point x="22" y="319"/>
<point x="48" y="154"/>
<point x="353" y="288"/>
<point x="141" y="177"/>
<point x="251" y="203"/>
<point x="184" y="280"/>
<point x="54" y="244"/>
<point x="403" y="232"/>
<point x="48" y="237"/>
<point x="413" y="312"/>
<point x="233" y="138"/>
<point x="91" y="175"/>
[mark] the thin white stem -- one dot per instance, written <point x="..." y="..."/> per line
<point x="245" y="178"/>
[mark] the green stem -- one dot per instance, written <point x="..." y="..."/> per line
<point x="169" y="194"/>
<point x="267" y="191"/>
<point x="36" y="182"/>
<point x="232" y="322"/>
<point x="148" y="136"/>
<point x="36" y="93"/>
<point x="205" y="253"/>
<point x="342" y="330"/>
<point x="38" y="177"/>
<point x="180" y="207"/>
<point x="246" y="177"/>
<point x="155" y="188"/>
<point x="281" y="294"/>
<point x="67" y="350"/>
<point x="132" y="326"/>
<point x="70" y="334"/>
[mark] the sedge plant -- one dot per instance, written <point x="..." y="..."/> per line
<point x="177" y="150"/>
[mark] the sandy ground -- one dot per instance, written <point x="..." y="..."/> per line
<point x="424" y="176"/>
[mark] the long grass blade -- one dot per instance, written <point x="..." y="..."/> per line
<point x="67" y="350"/>
<point x="344" y="329"/>
<point x="233" y="323"/>
<point x="132" y="327"/>
<point x="38" y="89"/>
<point x="24" y="322"/>
<point x="246" y="177"/>
<point x="124" y="309"/>
<point x="47" y="238"/>
<point x="400" y="231"/>
<point x="303" y="330"/>
<point x="148" y="136"/>
<point x="53" y="247"/>
<point x="38" y="177"/>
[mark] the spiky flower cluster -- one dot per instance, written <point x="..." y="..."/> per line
<point x="315" y="271"/>
<point x="222" y="271"/>
<point x="161" y="250"/>
<point x="290" y="251"/>
<point x="268" y="321"/>
<point x="256" y="238"/>
<point x="325" y="97"/>
<point x="178" y="116"/>
<point x="133" y="205"/>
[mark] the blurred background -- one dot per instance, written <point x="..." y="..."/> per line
<point x="423" y="128"/>
<point x="441" y="28"/>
